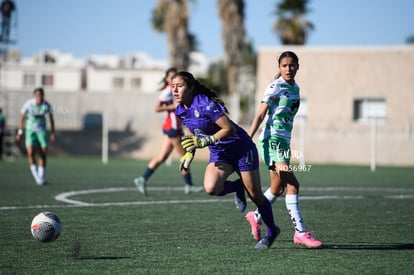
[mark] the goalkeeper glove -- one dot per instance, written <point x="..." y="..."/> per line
<point x="186" y="160"/>
<point x="190" y="143"/>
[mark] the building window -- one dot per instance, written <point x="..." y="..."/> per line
<point x="29" y="80"/>
<point x="118" y="82"/>
<point x="47" y="80"/>
<point x="136" y="83"/>
<point x="370" y="108"/>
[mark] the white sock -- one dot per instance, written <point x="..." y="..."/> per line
<point x="292" y="205"/>
<point x="270" y="197"/>
<point x="41" y="171"/>
<point x="33" y="168"/>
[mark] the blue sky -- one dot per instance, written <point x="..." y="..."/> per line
<point x="86" y="27"/>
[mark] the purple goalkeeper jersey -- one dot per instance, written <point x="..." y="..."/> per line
<point x="200" y="119"/>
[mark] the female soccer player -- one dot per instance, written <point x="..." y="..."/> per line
<point x="231" y="149"/>
<point x="279" y="105"/>
<point x="173" y="132"/>
<point x="33" y="120"/>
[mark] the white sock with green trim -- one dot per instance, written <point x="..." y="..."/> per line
<point x="33" y="168"/>
<point x="41" y="171"/>
<point x="269" y="196"/>
<point x="292" y="205"/>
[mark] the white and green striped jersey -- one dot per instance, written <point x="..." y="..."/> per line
<point x="36" y="114"/>
<point x="283" y="100"/>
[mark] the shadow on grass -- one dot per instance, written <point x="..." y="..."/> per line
<point x="74" y="253"/>
<point x="101" y="258"/>
<point x="391" y="246"/>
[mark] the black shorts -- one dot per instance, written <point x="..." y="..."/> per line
<point x="172" y="133"/>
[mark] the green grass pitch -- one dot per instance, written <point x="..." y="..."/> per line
<point x="365" y="220"/>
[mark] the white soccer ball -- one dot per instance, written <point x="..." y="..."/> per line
<point x="46" y="227"/>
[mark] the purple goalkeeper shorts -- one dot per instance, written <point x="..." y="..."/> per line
<point x="244" y="159"/>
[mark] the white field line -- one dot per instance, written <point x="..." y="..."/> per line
<point x="64" y="197"/>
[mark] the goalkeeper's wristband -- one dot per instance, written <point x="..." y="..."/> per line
<point x="208" y="140"/>
<point x="20" y="132"/>
<point x="190" y="143"/>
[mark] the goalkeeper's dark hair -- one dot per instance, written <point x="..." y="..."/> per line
<point x="198" y="88"/>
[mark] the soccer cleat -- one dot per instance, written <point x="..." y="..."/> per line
<point x="307" y="240"/>
<point x="256" y="226"/>
<point x="240" y="200"/>
<point x="40" y="182"/>
<point x="140" y="184"/>
<point x="267" y="241"/>
<point x="36" y="178"/>
<point x="192" y="189"/>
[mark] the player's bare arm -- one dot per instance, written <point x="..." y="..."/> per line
<point x="21" y="126"/>
<point x="165" y="108"/>
<point x="52" y="127"/>
<point x="227" y="128"/>
<point x="258" y="119"/>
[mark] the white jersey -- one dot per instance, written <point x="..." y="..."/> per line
<point x="171" y="122"/>
<point x="283" y="100"/>
<point x="36" y="114"/>
<point x="166" y="96"/>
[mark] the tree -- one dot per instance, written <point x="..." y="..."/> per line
<point x="171" y="16"/>
<point x="410" y="39"/>
<point x="232" y="16"/>
<point x="233" y="32"/>
<point x="291" y="24"/>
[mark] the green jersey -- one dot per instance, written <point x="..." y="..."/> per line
<point x="283" y="100"/>
<point x="36" y="114"/>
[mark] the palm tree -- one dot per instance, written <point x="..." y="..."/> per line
<point x="171" y="16"/>
<point x="233" y="32"/>
<point x="410" y="39"/>
<point x="232" y="15"/>
<point x="291" y="25"/>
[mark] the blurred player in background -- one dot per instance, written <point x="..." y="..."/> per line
<point x="173" y="131"/>
<point x="33" y="121"/>
<point x="231" y="149"/>
<point x="2" y="130"/>
<point x="7" y="7"/>
<point x="279" y="106"/>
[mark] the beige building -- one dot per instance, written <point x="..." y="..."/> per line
<point x="356" y="103"/>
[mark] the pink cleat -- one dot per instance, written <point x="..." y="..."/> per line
<point x="306" y="240"/>
<point x="256" y="226"/>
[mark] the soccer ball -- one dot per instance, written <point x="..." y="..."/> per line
<point x="46" y="227"/>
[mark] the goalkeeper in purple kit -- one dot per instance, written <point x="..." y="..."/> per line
<point x="231" y="149"/>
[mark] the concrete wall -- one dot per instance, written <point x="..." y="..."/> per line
<point x="131" y="114"/>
